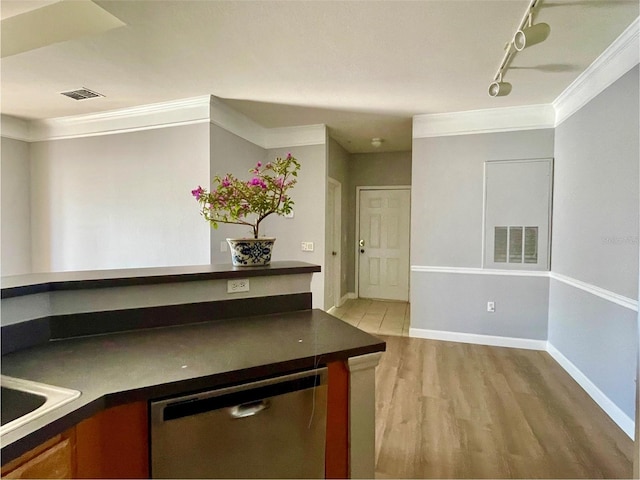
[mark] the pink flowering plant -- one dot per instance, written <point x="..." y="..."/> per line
<point x="249" y="202"/>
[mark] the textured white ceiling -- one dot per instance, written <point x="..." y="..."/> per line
<point x="362" y="67"/>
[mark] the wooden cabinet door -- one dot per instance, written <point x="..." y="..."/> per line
<point x="55" y="461"/>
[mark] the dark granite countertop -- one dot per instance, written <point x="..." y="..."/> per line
<point x="28" y="284"/>
<point x="120" y="368"/>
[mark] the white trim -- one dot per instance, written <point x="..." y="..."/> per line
<point x="621" y="56"/>
<point x="295" y="136"/>
<point x="478" y="339"/>
<point x="235" y="122"/>
<point x="490" y="120"/>
<point x="362" y="412"/>
<point x="336" y="217"/>
<point x="610" y="408"/>
<point x="594" y="290"/>
<point x="15" y="128"/>
<point x="159" y="115"/>
<point x="479" y="271"/>
<point x="616" y="298"/>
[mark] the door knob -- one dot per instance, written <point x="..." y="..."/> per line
<point x="361" y="243"/>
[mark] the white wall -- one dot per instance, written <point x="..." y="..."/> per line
<point x="16" y="207"/>
<point x="119" y="201"/>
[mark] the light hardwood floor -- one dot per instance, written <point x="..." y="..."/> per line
<point x="453" y="410"/>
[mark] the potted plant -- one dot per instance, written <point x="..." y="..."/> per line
<point x="249" y="202"/>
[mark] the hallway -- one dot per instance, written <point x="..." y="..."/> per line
<point x="375" y="316"/>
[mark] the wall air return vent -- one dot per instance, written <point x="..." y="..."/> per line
<point x="81" y="94"/>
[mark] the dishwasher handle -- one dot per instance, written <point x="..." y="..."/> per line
<point x="249" y="409"/>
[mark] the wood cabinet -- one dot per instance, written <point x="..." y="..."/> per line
<point x="112" y="444"/>
<point x="54" y="458"/>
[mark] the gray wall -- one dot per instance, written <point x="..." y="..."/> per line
<point x="595" y="239"/>
<point x="338" y="167"/>
<point x="230" y="153"/>
<point x="446" y="211"/>
<point x="308" y="223"/>
<point x="371" y="169"/>
<point x="446" y="231"/>
<point x="595" y="232"/>
<point x="454" y="302"/>
<point x="16" y="207"/>
<point x="119" y="201"/>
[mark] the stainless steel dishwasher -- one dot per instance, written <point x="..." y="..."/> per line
<point x="273" y="428"/>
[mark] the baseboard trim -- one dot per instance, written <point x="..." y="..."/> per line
<point x="617" y="415"/>
<point x="608" y="406"/>
<point x="479" y="339"/>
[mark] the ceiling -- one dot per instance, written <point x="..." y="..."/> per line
<point x="364" y="68"/>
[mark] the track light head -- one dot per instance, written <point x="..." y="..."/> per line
<point x="376" y="142"/>
<point x="499" y="89"/>
<point x="531" y="35"/>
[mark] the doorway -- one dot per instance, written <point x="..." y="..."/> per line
<point x="382" y="255"/>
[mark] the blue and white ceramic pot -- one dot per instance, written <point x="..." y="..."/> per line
<point x="251" y="252"/>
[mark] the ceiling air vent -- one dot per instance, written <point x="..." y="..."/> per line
<point x="81" y="94"/>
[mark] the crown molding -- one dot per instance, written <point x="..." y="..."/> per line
<point x="15" y="128"/>
<point x="239" y="124"/>
<point x="296" y="136"/>
<point x="235" y="122"/>
<point x="490" y="120"/>
<point x="158" y="115"/>
<point x="620" y="57"/>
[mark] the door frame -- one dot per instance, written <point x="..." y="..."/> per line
<point x="357" y="236"/>
<point x="336" y="216"/>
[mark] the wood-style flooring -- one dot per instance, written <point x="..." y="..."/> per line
<point x="453" y="410"/>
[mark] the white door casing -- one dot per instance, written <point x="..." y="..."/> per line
<point x="384" y="227"/>
<point x="334" y="227"/>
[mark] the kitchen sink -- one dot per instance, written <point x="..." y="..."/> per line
<point x="24" y="401"/>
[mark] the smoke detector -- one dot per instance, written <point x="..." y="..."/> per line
<point x="81" y="94"/>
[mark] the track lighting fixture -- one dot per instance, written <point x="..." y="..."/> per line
<point x="499" y="88"/>
<point x="530" y="35"/>
<point x="526" y="35"/>
<point x="376" y="142"/>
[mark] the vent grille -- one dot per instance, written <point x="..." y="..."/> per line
<point x="81" y="94"/>
<point x="512" y="244"/>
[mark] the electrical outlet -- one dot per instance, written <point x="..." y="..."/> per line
<point x="239" y="285"/>
<point x="491" y="307"/>
<point x="307" y="246"/>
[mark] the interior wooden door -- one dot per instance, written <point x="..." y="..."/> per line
<point x="384" y="244"/>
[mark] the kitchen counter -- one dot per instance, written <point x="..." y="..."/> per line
<point x="118" y="368"/>
<point x="29" y="284"/>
